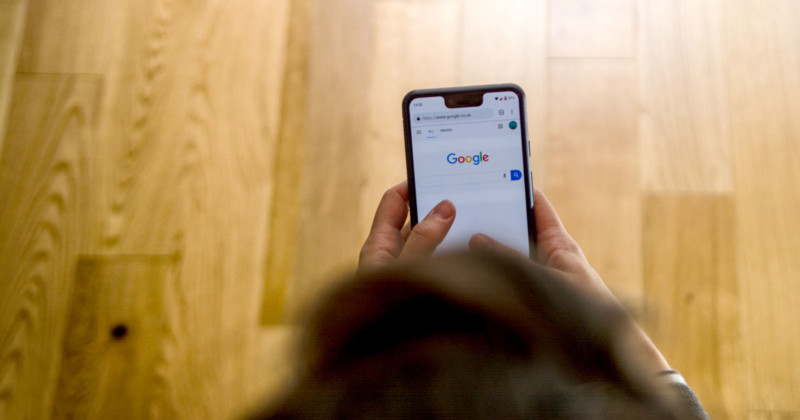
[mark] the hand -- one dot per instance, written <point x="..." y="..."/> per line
<point x="557" y="250"/>
<point x="391" y="238"/>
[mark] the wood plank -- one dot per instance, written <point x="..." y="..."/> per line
<point x="189" y="84"/>
<point x="116" y="350"/>
<point x="44" y="179"/>
<point x="413" y="48"/>
<point x="764" y="91"/>
<point x="516" y="51"/>
<point x="78" y="36"/>
<point x="691" y="294"/>
<point x="12" y="24"/>
<point x="230" y="117"/>
<point x="191" y="114"/>
<point x="287" y="171"/>
<point x="328" y="237"/>
<point x="137" y="47"/>
<point x="146" y="119"/>
<point x="593" y="166"/>
<point x="592" y="28"/>
<point x="684" y="122"/>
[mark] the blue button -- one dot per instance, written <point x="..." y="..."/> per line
<point x="516" y="175"/>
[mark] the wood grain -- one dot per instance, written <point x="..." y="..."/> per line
<point x="116" y="354"/>
<point x="12" y="24"/>
<point x="593" y="166"/>
<point x="225" y="184"/>
<point x="44" y="179"/>
<point x="764" y="92"/>
<point x="287" y="173"/>
<point x="339" y="58"/>
<point x="515" y="52"/>
<point x="592" y="28"/>
<point x="684" y="124"/>
<point x="213" y="132"/>
<point x="191" y="117"/>
<point x="692" y="296"/>
<point x="79" y="36"/>
<point x="90" y="36"/>
<point x="413" y="48"/>
<point x="146" y="119"/>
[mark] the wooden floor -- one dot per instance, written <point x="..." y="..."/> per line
<point x="177" y="178"/>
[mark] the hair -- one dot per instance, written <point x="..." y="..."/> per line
<point x="466" y="336"/>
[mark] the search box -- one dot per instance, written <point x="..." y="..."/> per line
<point x="469" y="178"/>
<point x="456" y="115"/>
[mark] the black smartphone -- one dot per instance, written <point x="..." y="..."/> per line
<point x="470" y="145"/>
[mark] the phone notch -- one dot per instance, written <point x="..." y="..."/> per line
<point x="463" y="99"/>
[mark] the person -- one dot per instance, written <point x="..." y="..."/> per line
<point x="488" y="333"/>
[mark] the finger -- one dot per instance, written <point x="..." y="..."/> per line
<point x="546" y="217"/>
<point x="429" y="233"/>
<point x="482" y="242"/>
<point x="384" y="242"/>
<point x="551" y="236"/>
<point x="405" y="231"/>
<point x="393" y="208"/>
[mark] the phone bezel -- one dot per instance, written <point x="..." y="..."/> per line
<point x="452" y="91"/>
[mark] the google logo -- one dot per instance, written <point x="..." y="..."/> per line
<point x="474" y="159"/>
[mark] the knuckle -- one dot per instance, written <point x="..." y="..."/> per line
<point x="390" y="194"/>
<point x="562" y="258"/>
<point x="426" y="231"/>
<point x="364" y="252"/>
<point x="387" y="194"/>
<point x="567" y="244"/>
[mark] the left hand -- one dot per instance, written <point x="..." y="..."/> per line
<point x="391" y="238"/>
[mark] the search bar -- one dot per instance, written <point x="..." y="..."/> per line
<point x="456" y="115"/>
<point x="472" y="178"/>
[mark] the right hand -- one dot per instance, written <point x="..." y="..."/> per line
<point x="557" y="250"/>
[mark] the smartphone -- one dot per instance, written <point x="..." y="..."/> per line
<point x="470" y="145"/>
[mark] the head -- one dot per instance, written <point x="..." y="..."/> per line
<point x="466" y="336"/>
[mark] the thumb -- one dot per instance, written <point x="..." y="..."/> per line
<point x="429" y="233"/>
<point x="485" y="243"/>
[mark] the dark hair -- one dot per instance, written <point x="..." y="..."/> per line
<point x="468" y="336"/>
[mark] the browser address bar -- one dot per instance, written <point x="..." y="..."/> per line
<point x="473" y="178"/>
<point x="455" y="115"/>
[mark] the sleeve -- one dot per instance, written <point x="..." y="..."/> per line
<point x="683" y="394"/>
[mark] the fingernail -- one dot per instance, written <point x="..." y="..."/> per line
<point x="444" y="210"/>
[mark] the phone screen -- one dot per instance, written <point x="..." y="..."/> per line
<point x="475" y="156"/>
